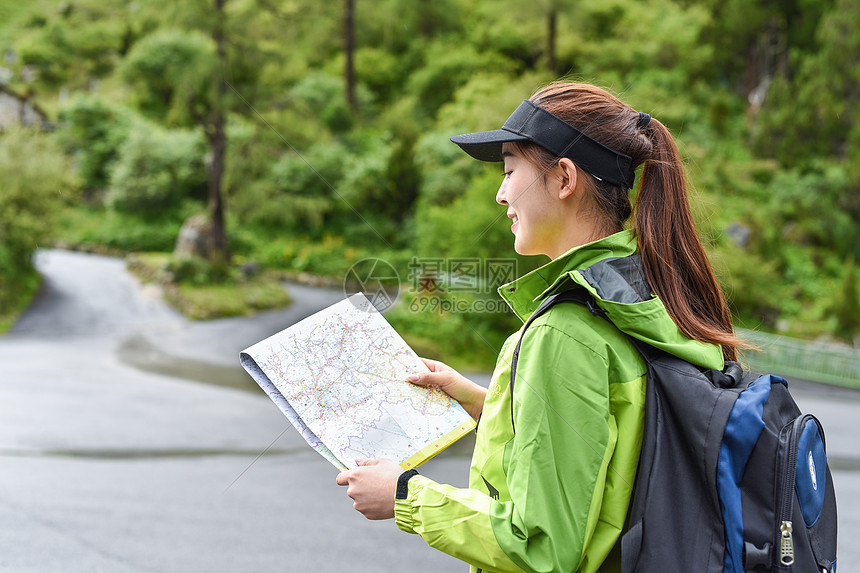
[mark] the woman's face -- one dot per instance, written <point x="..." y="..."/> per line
<point x="535" y="215"/>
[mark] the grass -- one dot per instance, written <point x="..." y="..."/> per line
<point x="83" y="227"/>
<point x="15" y="300"/>
<point x="222" y="300"/>
<point x="10" y="12"/>
<point x="235" y="295"/>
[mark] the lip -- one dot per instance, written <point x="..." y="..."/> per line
<point x="516" y="222"/>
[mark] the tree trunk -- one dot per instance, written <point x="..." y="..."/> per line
<point x="349" y="48"/>
<point x="217" y="137"/>
<point x="429" y="17"/>
<point x="550" y="40"/>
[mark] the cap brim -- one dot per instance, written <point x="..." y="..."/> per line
<point x="487" y="145"/>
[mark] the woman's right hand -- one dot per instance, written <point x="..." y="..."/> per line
<point x="467" y="393"/>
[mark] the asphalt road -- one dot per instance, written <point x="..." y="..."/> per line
<point x="131" y="441"/>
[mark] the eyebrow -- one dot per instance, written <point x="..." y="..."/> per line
<point x="507" y="154"/>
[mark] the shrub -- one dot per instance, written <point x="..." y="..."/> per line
<point x="381" y="182"/>
<point x="295" y="194"/>
<point x="94" y="130"/>
<point x="156" y="170"/>
<point x="168" y="69"/>
<point x="816" y="207"/>
<point x="846" y="306"/>
<point x="322" y="96"/>
<point x="36" y="182"/>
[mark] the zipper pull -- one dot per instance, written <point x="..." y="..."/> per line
<point x="786" y="544"/>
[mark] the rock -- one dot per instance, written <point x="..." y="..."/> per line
<point x="250" y="269"/>
<point x="193" y="239"/>
<point x="739" y="234"/>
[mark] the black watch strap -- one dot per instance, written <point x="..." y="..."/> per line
<point x="403" y="484"/>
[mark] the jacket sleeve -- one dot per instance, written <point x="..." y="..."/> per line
<point x="556" y="468"/>
<point x="453" y="520"/>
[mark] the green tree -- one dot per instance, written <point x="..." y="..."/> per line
<point x="182" y="76"/>
<point x="847" y="307"/>
<point x="349" y="52"/>
<point x="811" y="113"/>
<point x="156" y="170"/>
<point x="93" y="130"/>
<point x="36" y="182"/>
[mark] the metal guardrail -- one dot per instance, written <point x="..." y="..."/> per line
<point x="814" y="361"/>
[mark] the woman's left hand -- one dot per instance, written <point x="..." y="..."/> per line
<point x="372" y="486"/>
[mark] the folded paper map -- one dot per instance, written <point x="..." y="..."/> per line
<point x="340" y="378"/>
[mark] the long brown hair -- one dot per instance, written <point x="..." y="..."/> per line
<point x="674" y="260"/>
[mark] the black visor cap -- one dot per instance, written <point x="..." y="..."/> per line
<point x="530" y="122"/>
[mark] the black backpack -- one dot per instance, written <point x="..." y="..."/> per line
<point x="732" y="477"/>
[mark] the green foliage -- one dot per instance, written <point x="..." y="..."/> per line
<point x="36" y="183"/>
<point x="812" y="113"/>
<point x="847" y="305"/>
<point x="761" y="95"/>
<point x="752" y="286"/>
<point x="202" y="291"/>
<point x="156" y="171"/>
<point x="47" y="49"/>
<point x="816" y="208"/>
<point x="70" y="43"/>
<point x="197" y="271"/>
<point x="466" y="340"/>
<point x="94" y="130"/>
<point x="89" y="227"/>
<point x="445" y="70"/>
<point x="381" y="71"/>
<point x="322" y="95"/>
<point x="297" y="191"/>
<point x="472" y="225"/>
<point x="170" y="71"/>
<point x="382" y="182"/>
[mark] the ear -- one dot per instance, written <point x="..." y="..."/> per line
<point x="568" y="174"/>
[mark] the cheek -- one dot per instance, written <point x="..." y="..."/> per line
<point x="516" y="189"/>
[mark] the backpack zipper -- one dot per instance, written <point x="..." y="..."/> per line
<point x="786" y="544"/>
<point x="786" y="539"/>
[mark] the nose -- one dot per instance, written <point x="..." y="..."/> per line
<point x="500" y="194"/>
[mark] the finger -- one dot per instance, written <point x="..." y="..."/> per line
<point x="428" y="379"/>
<point x="433" y="365"/>
<point x="342" y="478"/>
<point x="364" y="462"/>
<point x="420" y="379"/>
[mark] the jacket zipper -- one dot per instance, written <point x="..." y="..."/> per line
<point x="786" y="539"/>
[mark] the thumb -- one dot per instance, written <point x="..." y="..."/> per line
<point x="428" y="378"/>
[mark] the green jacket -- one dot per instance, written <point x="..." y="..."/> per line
<point x="553" y="495"/>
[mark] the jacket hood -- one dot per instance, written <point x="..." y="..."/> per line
<point x="611" y="271"/>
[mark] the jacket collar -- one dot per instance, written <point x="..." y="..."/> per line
<point x="524" y="294"/>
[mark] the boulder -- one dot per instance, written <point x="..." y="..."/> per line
<point x="193" y="239"/>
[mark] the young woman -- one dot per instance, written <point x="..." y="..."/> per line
<point x="554" y="464"/>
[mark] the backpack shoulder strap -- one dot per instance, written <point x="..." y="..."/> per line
<point x="577" y="295"/>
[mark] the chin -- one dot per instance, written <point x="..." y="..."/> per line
<point x="524" y="250"/>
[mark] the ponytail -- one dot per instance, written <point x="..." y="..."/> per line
<point x="674" y="259"/>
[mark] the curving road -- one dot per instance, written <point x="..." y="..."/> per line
<point x="114" y="457"/>
<point x="105" y="466"/>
